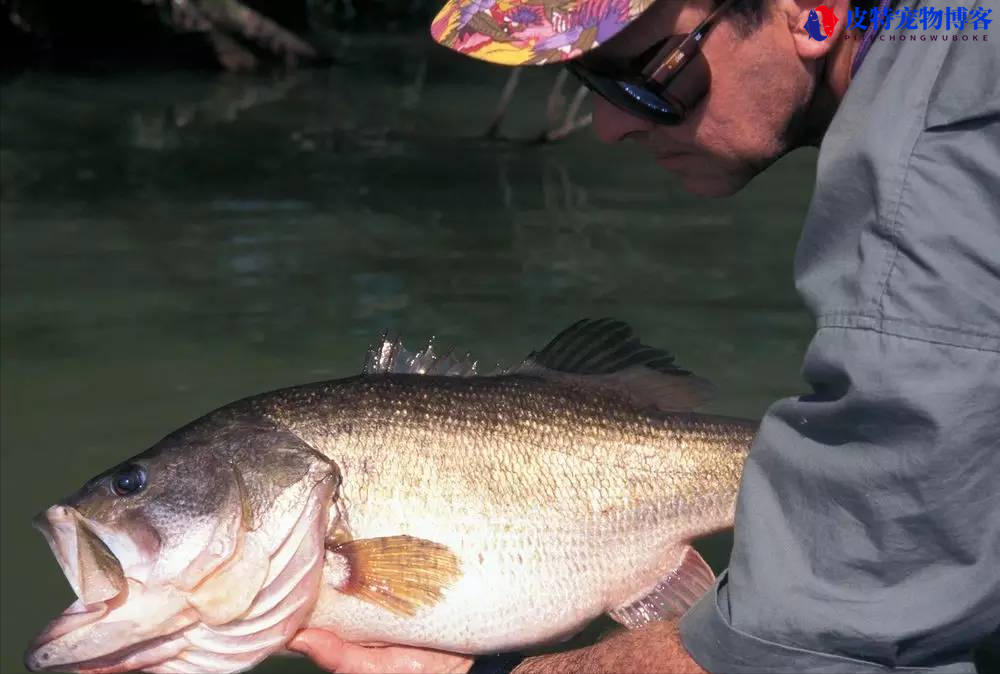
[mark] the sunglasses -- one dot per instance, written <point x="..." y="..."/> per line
<point x="663" y="83"/>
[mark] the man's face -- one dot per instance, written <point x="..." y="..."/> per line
<point x="760" y="88"/>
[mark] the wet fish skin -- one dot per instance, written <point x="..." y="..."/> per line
<point x="511" y="511"/>
<point x="533" y="481"/>
<point x="536" y="441"/>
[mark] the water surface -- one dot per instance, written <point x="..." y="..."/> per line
<point x="173" y="241"/>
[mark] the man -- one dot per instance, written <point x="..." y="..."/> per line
<point x="868" y="522"/>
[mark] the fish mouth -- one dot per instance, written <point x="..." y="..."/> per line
<point x="96" y="633"/>
<point x="93" y="571"/>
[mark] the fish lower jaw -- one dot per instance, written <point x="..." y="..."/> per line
<point x="73" y="643"/>
<point x="39" y="656"/>
<point x="181" y="644"/>
<point x="159" y="630"/>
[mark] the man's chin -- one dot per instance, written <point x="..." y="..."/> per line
<point x="709" y="186"/>
<point x="702" y="177"/>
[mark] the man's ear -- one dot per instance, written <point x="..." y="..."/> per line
<point x="816" y="25"/>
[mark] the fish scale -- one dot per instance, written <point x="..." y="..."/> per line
<point x="418" y="504"/>
<point x="521" y="475"/>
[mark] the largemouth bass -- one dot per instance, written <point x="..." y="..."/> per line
<point x="417" y="504"/>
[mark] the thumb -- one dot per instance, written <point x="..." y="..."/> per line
<point x="324" y="648"/>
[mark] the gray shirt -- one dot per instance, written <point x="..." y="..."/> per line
<point x="868" y="521"/>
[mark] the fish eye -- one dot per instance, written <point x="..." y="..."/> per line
<point x="128" y="479"/>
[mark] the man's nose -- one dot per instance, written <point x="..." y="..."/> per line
<point x="612" y="124"/>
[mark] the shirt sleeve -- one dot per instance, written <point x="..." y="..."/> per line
<point x="867" y="533"/>
<point x="868" y="524"/>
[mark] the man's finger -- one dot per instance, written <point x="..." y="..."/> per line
<point x="334" y="654"/>
<point x="330" y="652"/>
<point x="324" y="648"/>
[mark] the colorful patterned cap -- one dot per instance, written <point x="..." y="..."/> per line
<point x="531" y="32"/>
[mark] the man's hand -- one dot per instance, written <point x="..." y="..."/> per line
<point x="655" y="648"/>
<point x="335" y="655"/>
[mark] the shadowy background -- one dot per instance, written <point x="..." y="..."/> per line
<point x="196" y="208"/>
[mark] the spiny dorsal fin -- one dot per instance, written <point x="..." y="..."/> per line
<point x="599" y="355"/>
<point x="605" y="354"/>
<point x="388" y="356"/>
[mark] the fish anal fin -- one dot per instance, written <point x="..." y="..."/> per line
<point x="399" y="573"/>
<point x="672" y="595"/>
<point x="606" y="356"/>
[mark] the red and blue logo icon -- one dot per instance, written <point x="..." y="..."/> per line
<point x="820" y="23"/>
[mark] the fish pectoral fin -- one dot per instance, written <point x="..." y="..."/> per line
<point x="672" y="595"/>
<point x="605" y="355"/>
<point x="399" y="573"/>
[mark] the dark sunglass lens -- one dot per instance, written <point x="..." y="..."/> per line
<point x="632" y="98"/>
<point x="647" y="99"/>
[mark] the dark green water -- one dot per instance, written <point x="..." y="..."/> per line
<point x="173" y="241"/>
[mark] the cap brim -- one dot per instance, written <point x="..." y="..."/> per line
<point x="531" y="32"/>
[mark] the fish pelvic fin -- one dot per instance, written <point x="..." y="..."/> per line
<point x="606" y="355"/>
<point x="399" y="573"/>
<point x="688" y="579"/>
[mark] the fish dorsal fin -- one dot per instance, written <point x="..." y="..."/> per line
<point x="388" y="356"/>
<point x="606" y="355"/>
